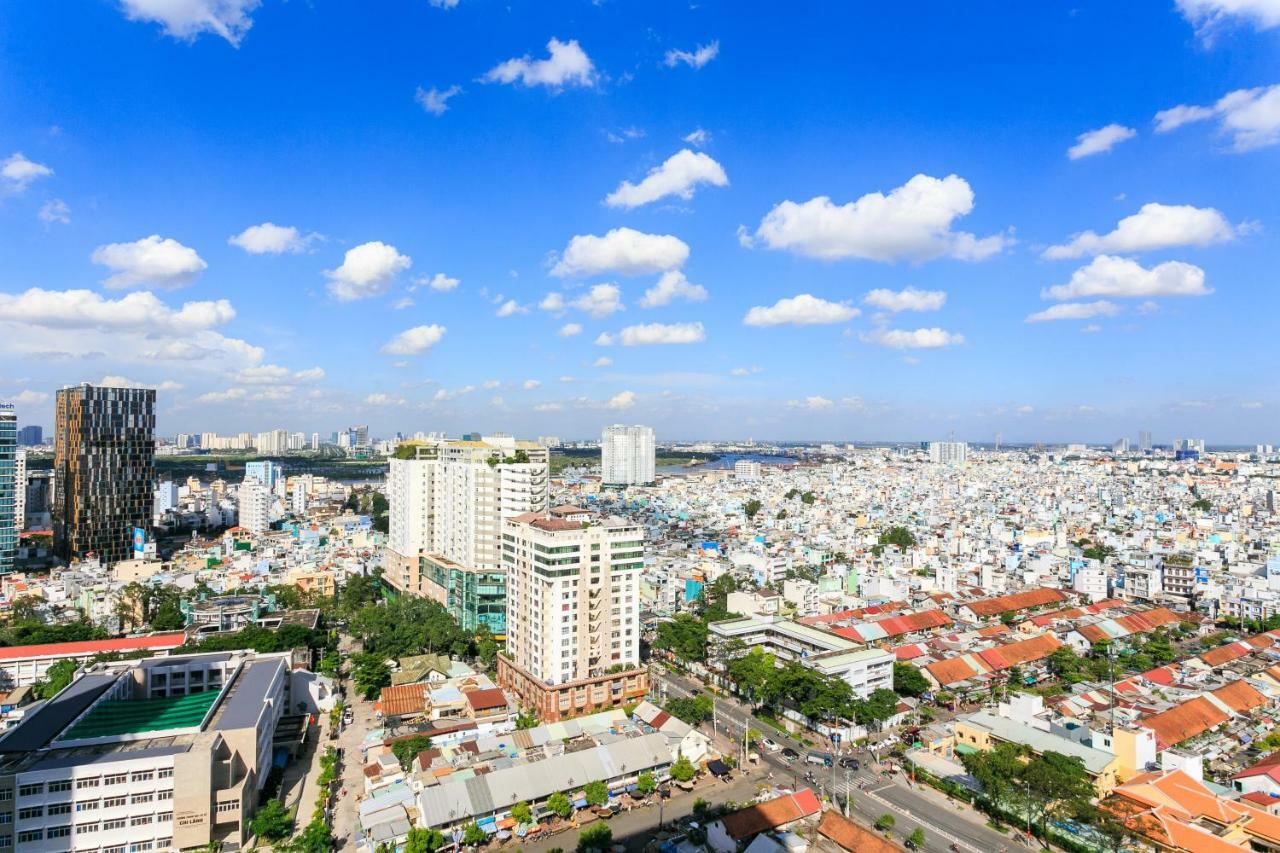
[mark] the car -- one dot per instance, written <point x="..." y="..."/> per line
<point x="850" y="763"/>
<point x="789" y="753"/>
<point x="770" y="744"/>
<point x="822" y="759"/>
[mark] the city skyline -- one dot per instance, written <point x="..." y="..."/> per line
<point x="855" y="224"/>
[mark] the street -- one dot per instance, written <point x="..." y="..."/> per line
<point x="349" y="739"/>
<point x="944" y="821"/>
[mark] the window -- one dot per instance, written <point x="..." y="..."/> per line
<point x="57" y="787"/>
<point x="138" y="846"/>
<point x="141" y="820"/>
<point x="6" y="841"/>
<point x="165" y="773"/>
<point x="115" y="779"/>
<point x="118" y="823"/>
<point x="228" y="805"/>
<point x="60" y="808"/>
<point x="6" y="795"/>
<point x="30" y="835"/>
<point x="91" y="782"/>
<point x="141" y="798"/>
<point x="164" y="817"/>
<point x="87" y="828"/>
<point x="32" y="812"/>
<point x="31" y="790"/>
<point x="144" y="776"/>
<point x="58" y="832"/>
<point x="113" y="802"/>
<point x="6" y="817"/>
<point x="88" y="805"/>
<point x="164" y="795"/>
<point x="115" y="848"/>
<point x="162" y="843"/>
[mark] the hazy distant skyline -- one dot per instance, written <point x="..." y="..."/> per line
<point x="846" y="221"/>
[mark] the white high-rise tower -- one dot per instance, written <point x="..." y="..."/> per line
<point x="626" y="455"/>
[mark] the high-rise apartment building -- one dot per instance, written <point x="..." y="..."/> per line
<point x="273" y="443"/>
<point x="265" y="472"/>
<point x="447" y="504"/>
<point x="1144" y="440"/>
<point x="30" y="436"/>
<point x="104" y="463"/>
<point x="626" y="455"/>
<point x="573" y="611"/>
<point x="948" y="452"/>
<point x="20" y="489"/>
<point x="10" y="486"/>
<point x="255" y="505"/>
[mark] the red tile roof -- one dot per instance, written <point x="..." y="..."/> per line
<point x="487" y="700"/>
<point x="1226" y="654"/>
<point x="1023" y="651"/>
<point x="402" y="700"/>
<point x="762" y="817"/>
<point x="152" y="642"/>
<point x="854" y="837"/>
<point x="1240" y="696"/>
<point x="1015" y="601"/>
<point x="1183" y="722"/>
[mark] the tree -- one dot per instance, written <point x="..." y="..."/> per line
<point x="1202" y="505"/>
<point x="916" y="838"/>
<point x="683" y="770"/>
<point x="646" y="784"/>
<point x="996" y="770"/>
<point x="899" y="536"/>
<point x="908" y="680"/>
<point x="751" y="507"/>
<point x="692" y="710"/>
<point x="685" y="637"/>
<point x="370" y="673"/>
<point x="885" y="822"/>
<point x="526" y="720"/>
<point x="782" y="515"/>
<point x="807" y="498"/>
<point x="751" y="672"/>
<point x="423" y="841"/>
<point x="1067" y="665"/>
<point x="560" y="805"/>
<point x="596" y="793"/>
<point x="1056" y="785"/>
<point x="57" y="677"/>
<point x="407" y="749"/>
<point x="473" y="835"/>
<point x="715" y="598"/>
<point x="597" y="836"/>
<point x="521" y="813"/>
<point x="272" y="821"/>
<point x="876" y="708"/>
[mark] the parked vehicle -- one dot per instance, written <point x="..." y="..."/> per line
<point x="823" y="759"/>
<point x="770" y="744"/>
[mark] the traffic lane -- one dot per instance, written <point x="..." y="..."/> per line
<point x="955" y="822"/>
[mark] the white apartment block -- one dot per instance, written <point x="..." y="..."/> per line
<point x="948" y="452"/>
<point x="254" y="505"/>
<point x="573" y="603"/>
<point x="626" y="455"/>
<point x="746" y="469"/>
<point x="1091" y="582"/>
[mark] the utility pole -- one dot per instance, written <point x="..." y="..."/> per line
<point x="848" y="792"/>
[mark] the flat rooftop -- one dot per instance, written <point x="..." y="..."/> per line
<point x="140" y="716"/>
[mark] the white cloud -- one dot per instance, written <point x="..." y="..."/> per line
<point x="124" y="382"/>
<point x="602" y="361"/>
<point x="435" y="101"/>
<point x="1107" y="275"/>
<point x="1090" y="329"/>
<point x="1207" y="16"/>
<point x="414" y="341"/>
<point x="444" y="4"/>
<point x="310" y="374"/>
<point x="18" y="172"/>
<point x="29" y="397"/>
<point x="490" y="384"/>
<point x="604" y="339"/>
<point x="672" y="286"/>
<point x="622" y="250"/>
<point x="367" y="270"/>
<point x="275" y="374"/>
<point x="568" y="330"/>
<point x="568" y="379"/>
<point x="1251" y="117"/>
<point x="698" y="137"/>
<point x="812" y="404"/>
<point x="510" y="308"/>
<point x="661" y="333"/>
<point x="746" y="371"/>
<point x="187" y="19"/>
<point x="439" y="282"/>
<point x="402" y="303"/>
<point x="622" y="400"/>
<point x="548" y="407"/>
<point x="694" y="59"/>
<point x="912" y="222"/>
<point x="567" y="65"/>
<point x="135" y="312"/>
<point x="553" y="302"/>
<point x="802" y="310"/>
<point x="155" y="260"/>
<point x="1100" y="141"/>
<point x="271" y="239"/>
<point x="600" y="301"/>
<point x="1154" y="226"/>
<point x="680" y="175"/>
<point x="1075" y="311"/>
<point x="624" y="134"/>
<point x="379" y="399"/>
<point x="1251" y="404"/>
<point x="530" y="384"/>
<point x="443" y="395"/>
<point x="918" y="339"/>
<point x="55" y="210"/>
<point x="907" y="299"/>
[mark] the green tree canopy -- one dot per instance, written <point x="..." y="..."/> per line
<point x="908" y="680"/>
<point x="596" y="837"/>
<point x="683" y="770"/>
<point x="559" y="804"/>
<point x="272" y="821"/>
<point x="596" y="793"/>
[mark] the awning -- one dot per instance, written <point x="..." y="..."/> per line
<point x="966" y="749"/>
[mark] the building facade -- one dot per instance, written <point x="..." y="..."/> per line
<point x="104" y="461"/>
<point x="948" y="452"/>
<point x="10" y="486"/>
<point x="626" y="455"/>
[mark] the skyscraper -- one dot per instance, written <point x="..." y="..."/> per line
<point x="104" y="460"/>
<point x="626" y="455"/>
<point x="1144" y="440"/>
<point x="948" y="452"/>
<point x="10" y="524"/>
<point x="30" y="436"/>
<point x="447" y="503"/>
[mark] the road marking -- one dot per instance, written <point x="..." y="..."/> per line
<point x="948" y="836"/>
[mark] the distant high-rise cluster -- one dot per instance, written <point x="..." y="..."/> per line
<point x="948" y="452"/>
<point x="104" y="463"/>
<point x="626" y="455"/>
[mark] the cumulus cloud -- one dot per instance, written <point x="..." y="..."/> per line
<point x="1100" y="141"/>
<point x="622" y="250"/>
<point x="604" y="339"/>
<point x="414" y="341"/>
<point x="124" y="382"/>
<point x="1154" y="226"/>
<point x="698" y="137"/>
<point x="379" y="399"/>
<point x="812" y="404"/>
<point x="367" y="270"/>
<point x="275" y="374"/>
<point x="402" y="303"/>
<point x="530" y="384"/>
<point x="444" y="395"/>
<point x="907" y="299"/>
<point x="157" y="261"/>
<point x="55" y="210"/>
<point x="696" y="58"/>
<point x="435" y="101"/>
<point x="271" y="239"/>
<point x="553" y="302"/>
<point x="548" y="407"/>
<point x="672" y="286"/>
<point x="1107" y="275"/>
<point x="679" y="176"/>
<point x="439" y="282"/>
<point x="746" y="371"/>
<point x="934" y="338"/>
<point x="1207" y="16"/>
<point x="568" y="330"/>
<point x="661" y="333"/>
<point x="510" y="308"/>
<point x="802" y="310"/>
<point x="187" y="19"/>
<point x="28" y="397"/>
<point x="622" y="400"/>
<point x="600" y="301"/>
<point x="602" y="361"/>
<point x="18" y="172"/>
<point x="913" y="222"/>
<point x="1251" y="117"/>
<point x="566" y="65"/>
<point x="1075" y="311"/>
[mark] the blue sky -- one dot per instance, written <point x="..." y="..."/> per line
<point x="891" y="188"/>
